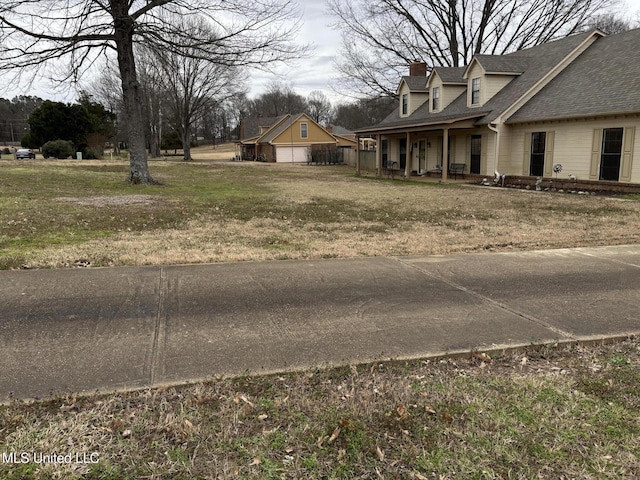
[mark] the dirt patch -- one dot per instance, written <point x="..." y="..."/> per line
<point x="111" y="201"/>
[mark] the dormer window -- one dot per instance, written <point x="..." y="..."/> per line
<point x="435" y="99"/>
<point x="475" y="91"/>
<point x="405" y="104"/>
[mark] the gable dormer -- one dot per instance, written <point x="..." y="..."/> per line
<point x="486" y="75"/>
<point x="445" y="84"/>
<point x="412" y="93"/>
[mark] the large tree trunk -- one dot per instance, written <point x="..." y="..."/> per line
<point x="186" y="143"/>
<point x="132" y="96"/>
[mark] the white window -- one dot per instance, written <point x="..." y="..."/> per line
<point x="435" y="99"/>
<point x="304" y="130"/>
<point x="475" y="91"/>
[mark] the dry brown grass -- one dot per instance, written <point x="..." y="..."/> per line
<point x="315" y="212"/>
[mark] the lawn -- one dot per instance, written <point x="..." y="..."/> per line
<point x="70" y="213"/>
<point x="549" y="412"/>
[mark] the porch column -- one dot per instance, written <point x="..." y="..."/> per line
<point x="445" y="154"/>
<point x="357" y="155"/>
<point x="407" y="162"/>
<point x="378" y="155"/>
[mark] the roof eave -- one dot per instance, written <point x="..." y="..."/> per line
<point x="418" y="124"/>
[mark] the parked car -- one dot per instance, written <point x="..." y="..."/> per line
<point x="25" y="153"/>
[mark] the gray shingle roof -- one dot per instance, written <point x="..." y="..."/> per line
<point x="605" y="79"/>
<point x="278" y="129"/>
<point x="535" y="63"/>
<point x="503" y="63"/>
<point x="251" y="126"/>
<point x="451" y="74"/>
<point x="416" y="84"/>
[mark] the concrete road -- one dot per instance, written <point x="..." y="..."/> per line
<point x="117" y="328"/>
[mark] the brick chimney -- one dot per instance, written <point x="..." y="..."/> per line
<point x="418" y="69"/>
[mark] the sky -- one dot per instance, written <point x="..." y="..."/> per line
<point x="315" y="72"/>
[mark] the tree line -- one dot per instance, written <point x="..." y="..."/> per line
<point x="200" y="49"/>
<point x="97" y="117"/>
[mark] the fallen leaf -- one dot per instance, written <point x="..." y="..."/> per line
<point x="246" y="400"/>
<point x="188" y="424"/>
<point x="380" y="453"/>
<point x="341" y="453"/>
<point x="420" y="477"/>
<point x="402" y="412"/>
<point x="430" y="410"/>
<point x="320" y="441"/>
<point x="447" y="416"/>
<point x="263" y="417"/>
<point x="126" y="434"/>
<point x="481" y="356"/>
<point x="256" y="461"/>
<point x="334" y="435"/>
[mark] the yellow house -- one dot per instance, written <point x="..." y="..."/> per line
<point x="293" y="139"/>
<point x="567" y="109"/>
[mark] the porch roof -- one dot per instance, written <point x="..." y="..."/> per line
<point x="455" y="112"/>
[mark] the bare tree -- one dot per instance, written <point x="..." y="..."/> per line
<point x="381" y="37"/>
<point x="192" y="84"/>
<point x="35" y="34"/>
<point x="278" y="99"/>
<point x="319" y="107"/>
<point x="610" y="23"/>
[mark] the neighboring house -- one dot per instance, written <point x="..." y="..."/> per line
<point x="574" y="102"/>
<point x="289" y="138"/>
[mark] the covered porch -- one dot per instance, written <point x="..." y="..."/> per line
<point x="440" y="150"/>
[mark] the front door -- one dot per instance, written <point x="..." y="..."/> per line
<point x="422" y="156"/>
<point x="611" y="154"/>
<point x="538" y="141"/>
<point x="476" y="152"/>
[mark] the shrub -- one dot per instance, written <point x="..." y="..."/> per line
<point x="58" y="149"/>
<point x="91" y="154"/>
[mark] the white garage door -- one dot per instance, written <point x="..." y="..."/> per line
<point x="286" y="154"/>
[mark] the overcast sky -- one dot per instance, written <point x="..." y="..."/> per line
<point x="316" y="72"/>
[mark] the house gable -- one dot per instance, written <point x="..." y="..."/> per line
<point x="445" y="84"/>
<point x="293" y="131"/>
<point x="412" y="93"/>
<point x="486" y="75"/>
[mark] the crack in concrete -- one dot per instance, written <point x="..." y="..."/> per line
<point x="159" y="333"/>
<point x="491" y="301"/>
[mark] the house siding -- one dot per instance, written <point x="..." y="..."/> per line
<point x="450" y="92"/>
<point x="315" y="134"/>
<point x="493" y="84"/>
<point x="577" y="147"/>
